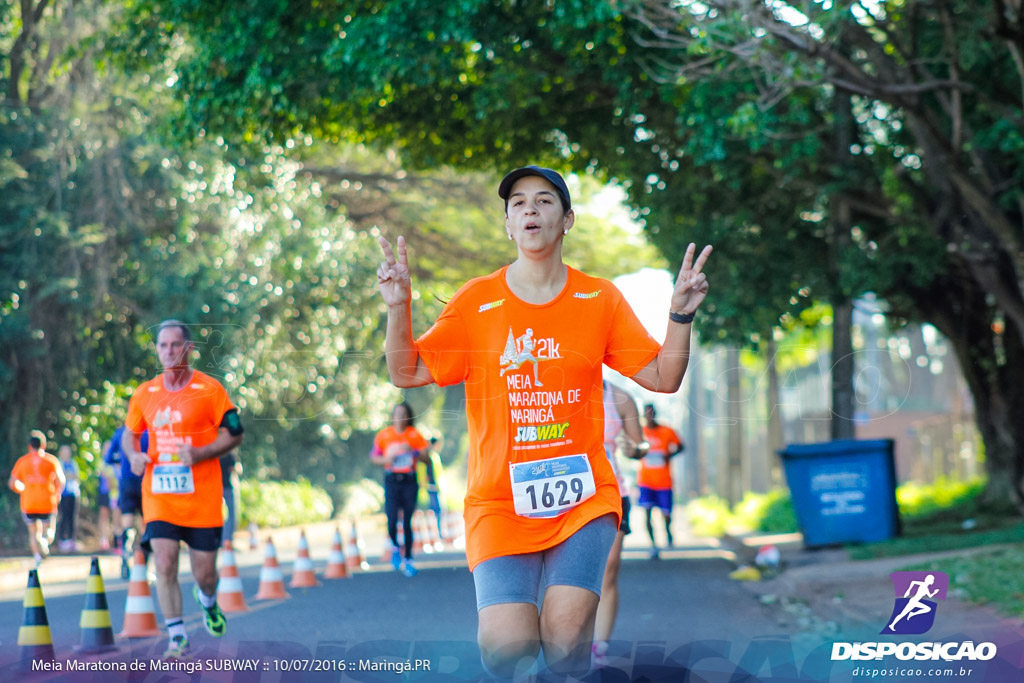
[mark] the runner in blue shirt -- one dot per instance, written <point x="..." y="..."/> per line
<point x="129" y="500"/>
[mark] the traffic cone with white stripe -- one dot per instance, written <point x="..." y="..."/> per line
<point x="354" y="557"/>
<point x="271" y="579"/>
<point x="229" y="587"/>
<point x="34" y="637"/>
<point x="456" y="530"/>
<point x="450" y="527"/>
<point x="417" y="532"/>
<point x="336" y="568"/>
<point x="139" y="612"/>
<point x="303" y="575"/>
<point x="97" y="633"/>
<point x="433" y="535"/>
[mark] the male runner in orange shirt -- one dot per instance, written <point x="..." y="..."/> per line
<point x="191" y="423"/>
<point x="38" y="478"/>
<point x="655" y="476"/>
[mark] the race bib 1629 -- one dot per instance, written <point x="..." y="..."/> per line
<point x="550" y="487"/>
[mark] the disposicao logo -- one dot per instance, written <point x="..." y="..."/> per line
<point x="916" y="596"/>
<point x="916" y="603"/>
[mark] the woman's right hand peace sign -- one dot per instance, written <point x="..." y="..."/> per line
<point x="393" y="275"/>
<point x="691" y="283"/>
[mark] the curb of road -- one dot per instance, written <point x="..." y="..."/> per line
<point x="56" y="569"/>
<point x="791" y="547"/>
<point x="68" y="568"/>
<point x="801" y="587"/>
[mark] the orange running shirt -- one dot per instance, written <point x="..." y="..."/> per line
<point x="655" y="472"/>
<point x="191" y="415"/>
<point x="42" y="483"/>
<point x="403" y="444"/>
<point x="533" y="391"/>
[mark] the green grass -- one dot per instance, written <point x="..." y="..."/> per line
<point x="943" y="515"/>
<point x="942" y="497"/>
<point x="709" y="516"/>
<point x="936" y="537"/>
<point x="989" y="578"/>
<point x="283" y="503"/>
<point x="770" y="513"/>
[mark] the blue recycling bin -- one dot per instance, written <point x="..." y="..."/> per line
<point x="843" y="491"/>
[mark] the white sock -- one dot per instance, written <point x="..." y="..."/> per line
<point x="206" y="600"/>
<point x="175" y="627"/>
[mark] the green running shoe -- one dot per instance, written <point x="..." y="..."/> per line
<point x="213" y="618"/>
<point x="177" y="649"/>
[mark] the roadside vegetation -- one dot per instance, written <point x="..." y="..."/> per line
<point x="944" y="515"/>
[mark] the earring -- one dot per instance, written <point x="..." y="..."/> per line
<point x="565" y="232"/>
<point x="509" y="236"/>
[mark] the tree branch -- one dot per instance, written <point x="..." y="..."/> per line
<point x="956" y="105"/>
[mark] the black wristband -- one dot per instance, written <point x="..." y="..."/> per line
<point x="682" y="318"/>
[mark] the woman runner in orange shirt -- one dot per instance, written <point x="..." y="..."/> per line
<point x="529" y="341"/>
<point x="397" y="448"/>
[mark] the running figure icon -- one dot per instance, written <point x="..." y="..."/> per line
<point x="915" y="606"/>
<point x="512" y="358"/>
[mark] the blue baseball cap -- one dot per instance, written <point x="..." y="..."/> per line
<point x="553" y="177"/>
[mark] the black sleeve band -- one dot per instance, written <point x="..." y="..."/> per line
<point x="232" y="422"/>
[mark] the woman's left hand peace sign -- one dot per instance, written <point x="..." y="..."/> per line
<point x="691" y="284"/>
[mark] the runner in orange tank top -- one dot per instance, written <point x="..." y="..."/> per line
<point x="529" y="341"/>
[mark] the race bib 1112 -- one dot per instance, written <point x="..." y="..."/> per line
<point x="174" y="478"/>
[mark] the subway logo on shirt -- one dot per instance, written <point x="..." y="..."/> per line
<point x="533" y="433"/>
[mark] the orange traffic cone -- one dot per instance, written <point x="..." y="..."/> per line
<point x="271" y="579"/>
<point x="433" y="534"/>
<point x="97" y="633"/>
<point x="389" y="550"/>
<point x="34" y="637"/>
<point x="139" y="613"/>
<point x="417" y="532"/>
<point x="229" y="587"/>
<point x="456" y="530"/>
<point x="354" y="557"/>
<point x="336" y="568"/>
<point x="303" y="575"/>
<point x="254" y="536"/>
<point x="450" y="530"/>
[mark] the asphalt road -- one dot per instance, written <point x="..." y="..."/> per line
<point x="678" y="610"/>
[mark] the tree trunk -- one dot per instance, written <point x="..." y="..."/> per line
<point x="775" y="438"/>
<point x="842" y="426"/>
<point x="734" y="441"/>
<point x="694" y="478"/>
<point x="992" y="361"/>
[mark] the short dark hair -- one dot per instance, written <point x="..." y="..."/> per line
<point x="37" y="439"/>
<point x="168" y="324"/>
